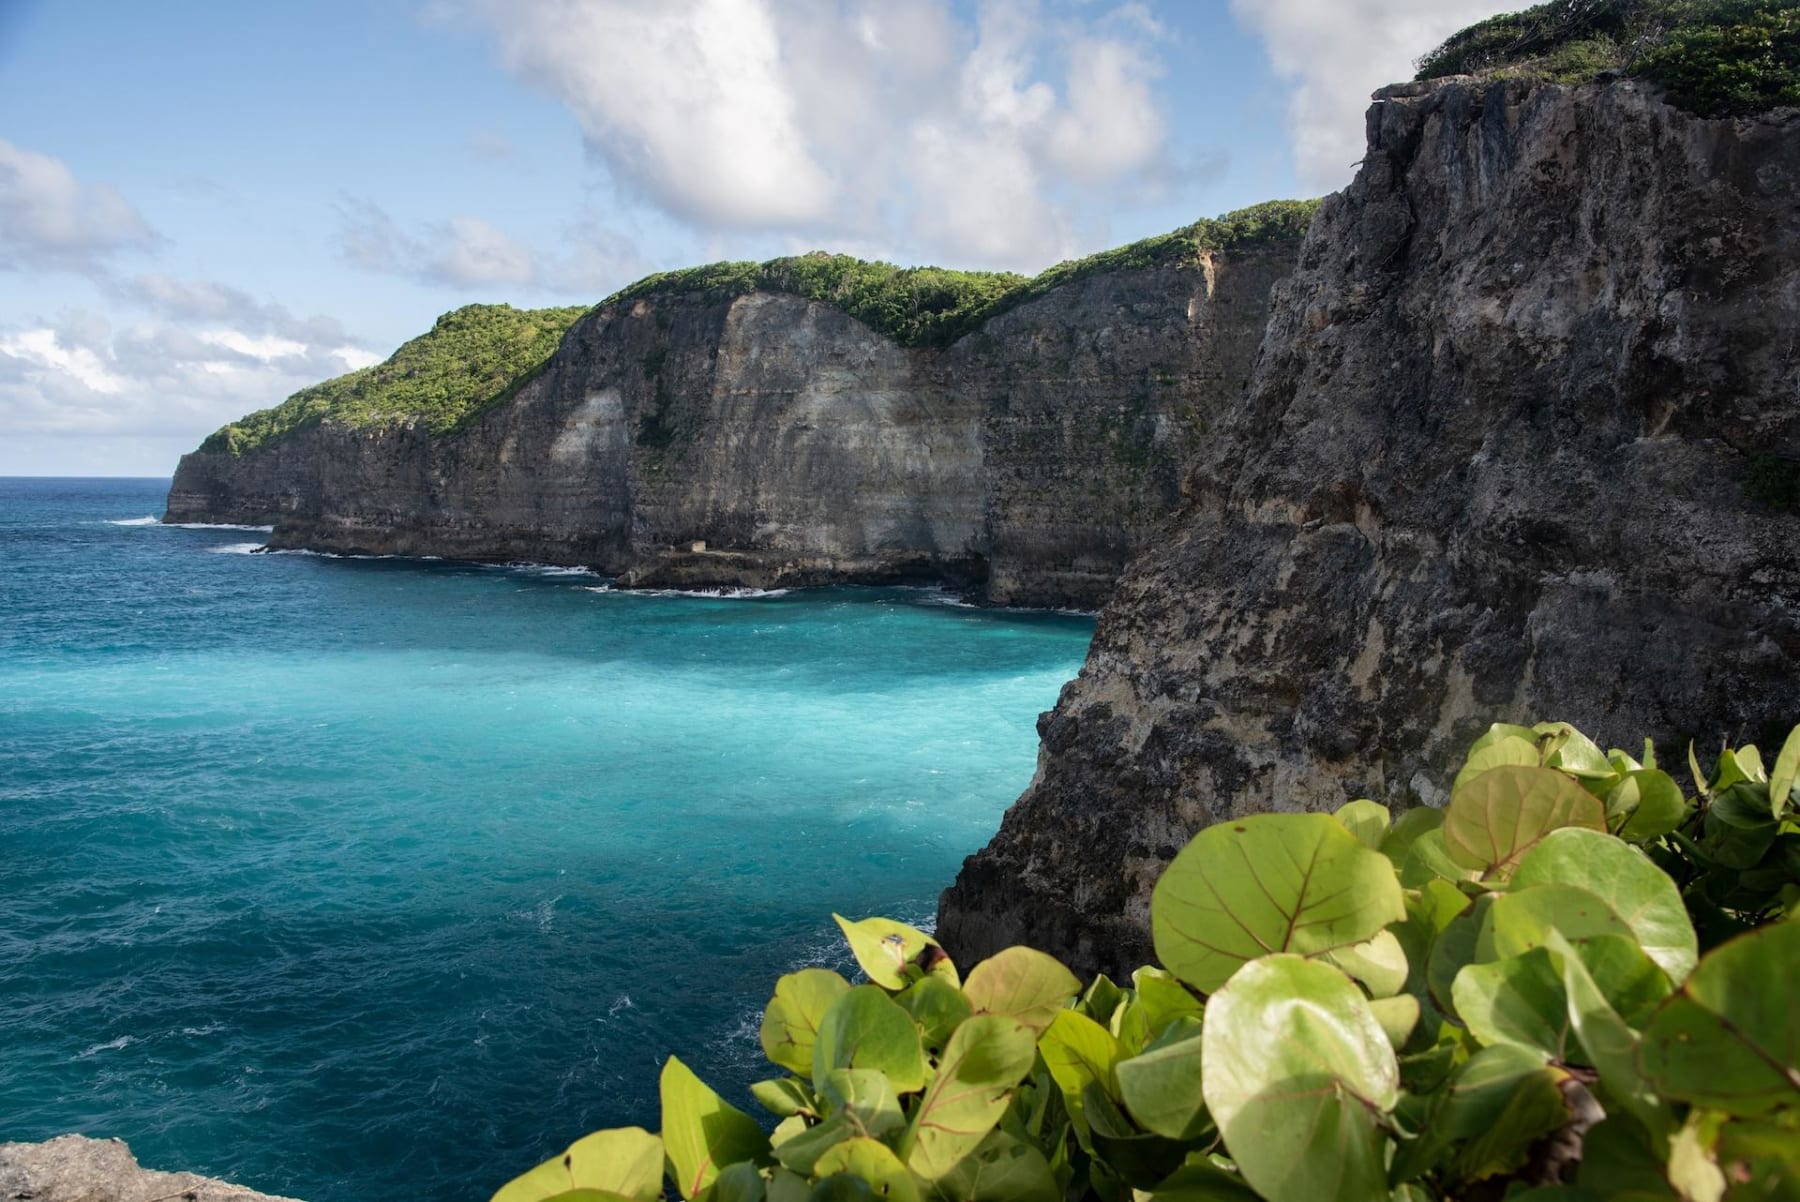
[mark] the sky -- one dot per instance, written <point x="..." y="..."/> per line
<point x="205" y="206"/>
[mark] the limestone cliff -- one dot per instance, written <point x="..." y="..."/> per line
<point x="1520" y="444"/>
<point x="1029" y="458"/>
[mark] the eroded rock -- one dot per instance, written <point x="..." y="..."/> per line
<point x="1494" y="465"/>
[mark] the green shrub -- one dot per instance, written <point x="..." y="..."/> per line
<point x="1512" y="993"/>
<point x="1714" y="57"/>
<point x="933" y="306"/>
<point x="472" y="359"/>
<point x="480" y="356"/>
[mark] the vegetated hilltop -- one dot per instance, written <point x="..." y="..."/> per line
<point x="480" y="356"/>
<point x="1714" y="57"/>
<point x="811" y="420"/>
<point x="471" y="358"/>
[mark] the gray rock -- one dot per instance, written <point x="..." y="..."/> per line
<point x="1492" y="467"/>
<point x="73" y="1168"/>
<point x="1029" y="460"/>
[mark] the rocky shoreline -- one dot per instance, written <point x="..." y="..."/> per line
<point x="74" y="1168"/>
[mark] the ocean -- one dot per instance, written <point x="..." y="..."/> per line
<point x="382" y="878"/>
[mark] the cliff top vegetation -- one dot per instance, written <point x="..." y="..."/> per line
<point x="481" y="355"/>
<point x="1714" y="57"/>
<point x="934" y="306"/>
<point x="471" y="358"/>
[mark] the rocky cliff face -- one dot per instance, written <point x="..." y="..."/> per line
<point x="1496" y="464"/>
<point x="1032" y="457"/>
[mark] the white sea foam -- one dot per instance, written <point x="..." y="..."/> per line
<point x="147" y="521"/>
<point x="122" y="1041"/>
<point x="218" y="526"/>
<point x="547" y="569"/>
<point x="236" y="548"/>
<point x="705" y="594"/>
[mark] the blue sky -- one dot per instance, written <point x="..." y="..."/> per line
<point x="204" y="206"/>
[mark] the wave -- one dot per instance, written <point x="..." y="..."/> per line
<point x="236" y="548"/>
<point x="145" y="521"/>
<point x="213" y="526"/>
<point x="932" y="594"/>
<point x="705" y="594"/>
<point x="545" y="569"/>
<point x="123" y="1041"/>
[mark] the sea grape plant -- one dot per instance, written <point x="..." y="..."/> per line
<point x="1572" y="982"/>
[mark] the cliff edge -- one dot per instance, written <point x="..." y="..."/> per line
<point x="725" y="426"/>
<point x="1523" y="442"/>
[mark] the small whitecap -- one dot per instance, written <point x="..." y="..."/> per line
<point x="132" y="522"/>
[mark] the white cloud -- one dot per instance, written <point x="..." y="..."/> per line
<point x="858" y="121"/>
<point x="469" y="254"/>
<point x="210" y="301"/>
<point x="75" y="376"/>
<point x="1336" y="52"/>
<point x="51" y="220"/>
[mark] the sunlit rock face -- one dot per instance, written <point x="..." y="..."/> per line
<point x="1521" y="443"/>
<point x="1028" y="461"/>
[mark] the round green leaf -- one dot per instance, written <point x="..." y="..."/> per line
<point x="1498" y="816"/>
<point x="1023" y="983"/>
<point x="1296" y="1064"/>
<point x="1163" y="998"/>
<point x="1497" y="752"/>
<point x="1397" y="1016"/>
<point x="625" y="1161"/>
<point x="792" y="1019"/>
<point x="873" y="1162"/>
<point x="864" y="1029"/>
<point x="886" y="949"/>
<point x="1379" y="963"/>
<point x="1520" y="921"/>
<point x="865" y="1098"/>
<point x="1519" y="1001"/>
<point x="936" y="1006"/>
<point x="1406" y="830"/>
<point x="1729" y="1038"/>
<point x="985" y="1061"/>
<point x="1637" y="891"/>
<point x="1648" y="802"/>
<point x="1270" y="883"/>
<point x="1367" y="820"/>
<point x="1000" y="1169"/>
<point x="1784" y="774"/>
<point x="740" y="1182"/>
<point x="702" y="1132"/>
<point x="1078" y="1051"/>
<point x="1161" y="1086"/>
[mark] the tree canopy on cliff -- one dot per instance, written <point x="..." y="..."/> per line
<point x="481" y="355"/>
<point x="934" y="306"/>
<point x="1715" y="57"/>
<point x="471" y="358"/>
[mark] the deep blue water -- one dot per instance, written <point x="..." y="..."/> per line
<point x="357" y="879"/>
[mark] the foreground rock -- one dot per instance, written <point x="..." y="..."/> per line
<point x="1501" y="459"/>
<point x="1028" y="461"/>
<point x="73" y="1168"/>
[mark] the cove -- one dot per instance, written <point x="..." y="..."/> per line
<point x="377" y="878"/>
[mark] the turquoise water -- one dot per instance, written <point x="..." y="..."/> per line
<point x="358" y="879"/>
